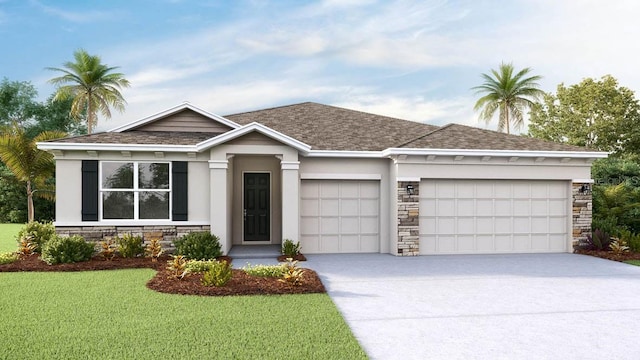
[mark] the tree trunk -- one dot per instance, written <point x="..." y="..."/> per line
<point x="89" y="116"/>
<point x="30" y="210"/>
<point x="506" y="110"/>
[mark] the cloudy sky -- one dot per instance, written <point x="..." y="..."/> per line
<point x="415" y="60"/>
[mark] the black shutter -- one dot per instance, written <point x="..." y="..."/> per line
<point x="179" y="191"/>
<point x="89" y="190"/>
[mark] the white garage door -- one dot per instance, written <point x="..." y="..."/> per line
<point x="339" y="216"/>
<point x="493" y="216"/>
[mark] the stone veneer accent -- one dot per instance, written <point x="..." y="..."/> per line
<point x="98" y="233"/>
<point x="582" y="210"/>
<point x="408" y="219"/>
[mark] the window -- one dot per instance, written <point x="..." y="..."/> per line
<point x="135" y="190"/>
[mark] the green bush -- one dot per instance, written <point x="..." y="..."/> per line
<point x="632" y="240"/>
<point x="37" y="234"/>
<point x="218" y="275"/>
<point x="60" y="250"/>
<point x="130" y="246"/>
<point x="201" y="245"/>
<point x="199" y="266"/>
<point x="276" y="271"/>
<point x="290" y="248"/>
<point x="8" y="258"/>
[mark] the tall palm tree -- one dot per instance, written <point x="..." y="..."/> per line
<point x="29" y="164"/>
<point x="93" y="86"/>
<point x="507" y="93"/>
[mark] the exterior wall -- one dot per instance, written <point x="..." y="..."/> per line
<point x="68" y="192"/>
<point x="408" y="219"/>
<point x="357" y="169"/>
<point x="248" y="163"/>
<point x="186" y="121"/>
<point x="99" y="233"/>
<point x="581" y="211"/>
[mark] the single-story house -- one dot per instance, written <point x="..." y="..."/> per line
<point x="337" y="180"/>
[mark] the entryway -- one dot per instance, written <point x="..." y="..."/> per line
<point x="257" y="206"/>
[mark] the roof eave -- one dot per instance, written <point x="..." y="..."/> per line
<point x="495" y="153"/>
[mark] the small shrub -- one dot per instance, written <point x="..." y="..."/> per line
<point x="61" y="250"/>
<point x="619" y="246"/>
<point x="290" y="248"/>
<point x="218" y="274"/>
<point x="632" y="240"/>
<point x="201" y="245"/>
<point x="8" y="258"/>
<point x="154" y="249"/>
<point x="276" y="271"/>
<point x="25" y="246"/>
<point x="177" y="267"/>
<point x="38" y="234"/>
<point x="107" y="249"/>
<point x="598" y="240"/>
<point x="292" y="273"/>
<point x="130" y="246"/>
<point x="199" y="266"/>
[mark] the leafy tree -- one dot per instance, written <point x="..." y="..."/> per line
<point x="598" y="114"/>
<point x="30" y="165"/>
<point x="93" y="86"/>
<point x="54" y="115"/>
<point x="17" y="102"/>
<point x="511" y="95"/>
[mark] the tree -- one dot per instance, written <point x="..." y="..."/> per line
<point x="17" y="102"/>
<point x="93" y="86"/>
<point x="29" y="165"/>
<point x="598" y="114"/>
<point x="511" y="95"/>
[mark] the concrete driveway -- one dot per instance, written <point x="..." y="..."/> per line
<point x="551" y="306"/>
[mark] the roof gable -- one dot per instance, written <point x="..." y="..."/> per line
<point x="250" y="128"/>
<point x="184" y="118"/>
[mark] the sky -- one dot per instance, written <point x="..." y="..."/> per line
<point x="411" y="59"/>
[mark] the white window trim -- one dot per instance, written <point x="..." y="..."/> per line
<point x="136" y="191"/>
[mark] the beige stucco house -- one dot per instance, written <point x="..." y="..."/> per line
<point x="337" y="180"/>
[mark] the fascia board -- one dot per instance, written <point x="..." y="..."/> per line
<point x="173" y="110"/>
<point x="114" y="147"/>
<point x="496" y="153"/>
<point x="254" y="126"/>
<point x="344" y="154"/>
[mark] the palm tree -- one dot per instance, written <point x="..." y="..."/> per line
<point x="29" y="164"/>
<point x="510" y="95"/>
<point x="93" y="86"/>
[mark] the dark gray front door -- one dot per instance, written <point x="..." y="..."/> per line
<point x="256" y="207"/>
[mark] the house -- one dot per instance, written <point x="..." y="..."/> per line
<point x="337" y="180"/>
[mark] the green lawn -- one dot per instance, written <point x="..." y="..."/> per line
<point x="7" y="237"/>
<point x="112" y="315"/>
<point x="633" y="262"/>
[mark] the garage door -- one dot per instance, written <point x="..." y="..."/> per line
<point x="339" y="216"/>
<point x="493" y="216"/>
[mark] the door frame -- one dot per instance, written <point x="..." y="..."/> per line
<point x="253" y="242"/>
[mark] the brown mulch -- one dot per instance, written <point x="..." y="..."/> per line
<point x="240" y="283"/>
<point x="609" y="255"/>
<point x="299" y="257"/>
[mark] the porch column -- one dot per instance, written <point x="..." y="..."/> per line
<point x="218" y="202"/>
<point x="581" y="214"/>
<point x="290" y="200"/>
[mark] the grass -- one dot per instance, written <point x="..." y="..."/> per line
<point x="112" y="315"/>
<point x="633" y="262"/>
<point x="7" y="237"/>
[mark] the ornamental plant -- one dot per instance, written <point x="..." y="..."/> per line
<point x="199" y="245"/>
<point x="37" y="233"/>
<point x="61" y="250"/>
<point x="130" y="246"/>
<point x="8" y="258"/>
<point x="177" y="267"/>
<point x="290" y="248"/>
<point x="218" y="274"/>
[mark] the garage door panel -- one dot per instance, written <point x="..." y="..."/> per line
<point x="493" y="216"/>
<point x="339" y="216"/>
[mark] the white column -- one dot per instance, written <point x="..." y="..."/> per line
<point x="218" y="202"/>
<point x="290" y="200"/>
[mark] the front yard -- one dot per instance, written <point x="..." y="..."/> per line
<point x="112" y="315"/>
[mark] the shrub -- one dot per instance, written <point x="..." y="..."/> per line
<point x="619" y="246"/>
<point x="60" y="250"/>
<point x="38" y="234"/>
<point x="292" y="273"/>
<point x="632" y="240"/>
<point x="598" y="240"/>
<point x="107" y="249"/>
<point x="25" y="246"/>
<point x="218" y="274"/>
<point x="8" y="258"/>
<point x="154" y="249"/>
<point x="199" y="266"/>
<point x="130" y="246"/>
<point x="265" y="270"/>
<point x="201" y="245"/>
<point x="178" y="267"/>
<point x="290" y="248"/>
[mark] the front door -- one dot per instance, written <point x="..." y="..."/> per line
<point x="256" y="206"/>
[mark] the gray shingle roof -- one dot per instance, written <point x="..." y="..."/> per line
<point x="141" y="137"/>
<point x="456" y="136"/>
<point x="325" y="127"/>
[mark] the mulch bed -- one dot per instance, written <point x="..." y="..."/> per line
<point x="609" y="255"/>
<point x="240" y="283"/>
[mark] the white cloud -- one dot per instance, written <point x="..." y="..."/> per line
<point x="74" y="16"/>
